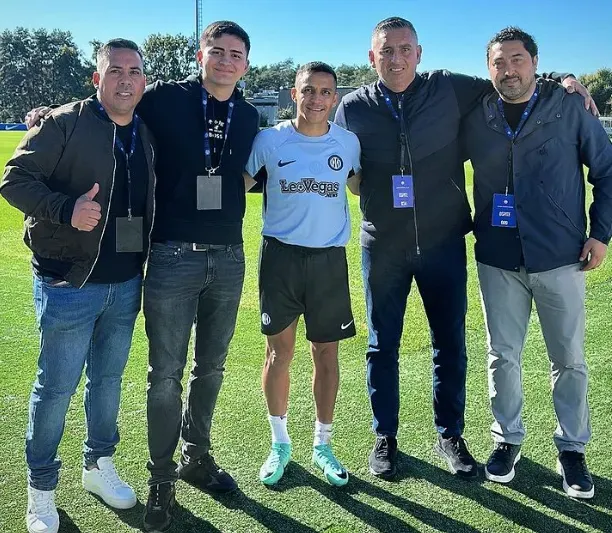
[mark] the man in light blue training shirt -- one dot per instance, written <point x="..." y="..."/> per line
<point x="305" y="166"/>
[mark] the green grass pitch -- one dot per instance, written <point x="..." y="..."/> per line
<point x="424" y="498"/>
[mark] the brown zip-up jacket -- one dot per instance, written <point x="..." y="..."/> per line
<point x="59" y="161"/>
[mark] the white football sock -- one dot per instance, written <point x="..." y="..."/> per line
<point x="278" y="425"/>
<point x="322" y="433"/>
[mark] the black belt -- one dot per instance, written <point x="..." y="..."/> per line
<point x="197" y="247"/>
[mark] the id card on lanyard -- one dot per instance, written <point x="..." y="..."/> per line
<point x="504" y="209"/>
<point x="209" y="187"/>
<point x="128" y="230"/>
<point x="402" y="185"/>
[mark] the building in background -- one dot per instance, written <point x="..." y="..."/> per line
<point x="266" y="103"/>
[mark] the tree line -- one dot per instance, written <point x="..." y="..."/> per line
<point x="42" y="66"/>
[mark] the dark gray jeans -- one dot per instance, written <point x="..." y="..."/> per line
<point x="182" y="288"/>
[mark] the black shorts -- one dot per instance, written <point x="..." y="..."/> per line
<point x="294" y="281"/>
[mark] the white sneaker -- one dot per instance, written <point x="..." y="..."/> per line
<point x="106" y="483"/>
<point x="41" y="516"/>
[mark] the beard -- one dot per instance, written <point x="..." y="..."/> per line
<point x="516" y="91"/>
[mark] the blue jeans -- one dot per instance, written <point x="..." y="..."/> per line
<point x="441" y="277"/>
<point x="183" y="287"/>
<point x="92" y="328"/>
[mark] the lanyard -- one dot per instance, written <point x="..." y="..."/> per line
<point x="513" y="134"/>
<point x="389" y="103"/>
<point x="127" y="153"/>
<point x="403" y="135"/>
<point x="228" y="120"/>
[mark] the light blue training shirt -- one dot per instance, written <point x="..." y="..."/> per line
<point x="305" y="190"/>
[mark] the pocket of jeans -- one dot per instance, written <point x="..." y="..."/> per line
<point x="54" y="283"/>
<point x="164" y="255"/>
<point x="236" y="252"/>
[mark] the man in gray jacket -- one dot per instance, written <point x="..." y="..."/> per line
<point x="85" y="181"/>
<point x="528" y="144"/>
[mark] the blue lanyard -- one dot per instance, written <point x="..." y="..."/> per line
<point x="228" y="120"/>
<point x="118" y="142"/>
<point x="404" y="148"/>
<point x="388" y="101"/>
<point x="513" y="134"/>
<point x="127" y="154"/>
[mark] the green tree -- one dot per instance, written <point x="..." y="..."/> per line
<point x="169" y="57"/>
<point x="270" y="77"/>
<point x="599" y="84"/>
<point x="355" y="75"/>
<point x="38" y="67"/>
<point x="95" y="46"/>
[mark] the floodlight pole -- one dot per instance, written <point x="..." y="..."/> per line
<point x="198" y="20"/>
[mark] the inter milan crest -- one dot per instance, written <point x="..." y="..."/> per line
<point x="335" y="162"/>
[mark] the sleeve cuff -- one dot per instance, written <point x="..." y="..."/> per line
<point x="605" y="239"/>
<point x="67" y="210"/>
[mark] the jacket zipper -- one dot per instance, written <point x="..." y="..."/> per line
<point x="107" y="211"/>
<point x="414" y="207"/>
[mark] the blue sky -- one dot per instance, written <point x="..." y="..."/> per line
<point x="573" y="36"/>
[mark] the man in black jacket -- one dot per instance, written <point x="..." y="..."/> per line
<point x="85" y="181"/>
<point x="528" y="143"/>
<point x="415" y="217"/>
<point x="204" y="131"/>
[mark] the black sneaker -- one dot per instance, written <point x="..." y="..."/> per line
<point x="577" y="480"/>
<point x="158" y="512"/>
<point x="383" y="458"/>
<point x="500" y="466"/>
<point x="206" y="475"/>
<point x="460" y="461"/>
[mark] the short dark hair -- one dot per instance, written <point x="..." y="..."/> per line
<point x="115" y="44"/>
<point x="512" y="33"/>
<point x="224" y="27"/>
<point x="316" y="66"/>
<point x="393" y="23"/>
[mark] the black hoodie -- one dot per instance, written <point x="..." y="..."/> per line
<point x="173" y="112"/>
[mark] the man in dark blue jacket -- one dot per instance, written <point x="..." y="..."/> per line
<point x="528" y="144"/>
<point x="415" y="217"/>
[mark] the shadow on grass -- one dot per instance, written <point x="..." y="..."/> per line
<point x="269" y="518"/>
<point x="379" y="520"/>
<point x="533" y="481"/>
<point x="545" y="487"/>
<point x="131" y="517"/>
<point x="66" y="523"/>
<point x="603" y="492"/>
<point x="186" y="522"/>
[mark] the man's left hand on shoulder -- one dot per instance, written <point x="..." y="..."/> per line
<point x="595" y="251"/>
<point x="572" y="85"/>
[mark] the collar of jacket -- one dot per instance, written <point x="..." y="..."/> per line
<point x="195" y="82"/>
<point x="91" y="103"/>
<point x="547" y="109"/>
<point x="410" y="90"/>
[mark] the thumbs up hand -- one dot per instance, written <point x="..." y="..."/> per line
<point x="87" y="212"/>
